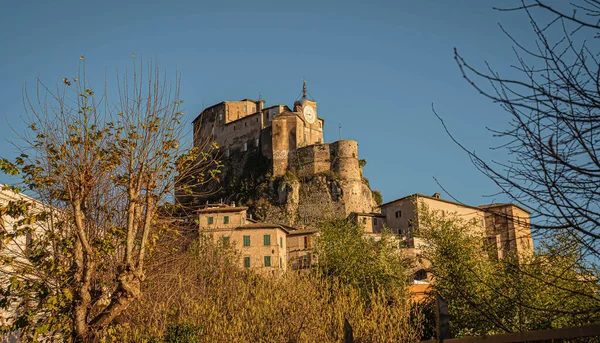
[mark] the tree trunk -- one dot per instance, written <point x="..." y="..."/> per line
<point x="128" y="290"/>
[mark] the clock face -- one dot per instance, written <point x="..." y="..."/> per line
<point x="310" y="114"/>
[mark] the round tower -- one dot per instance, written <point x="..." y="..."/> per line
<point x="345" y="159"/>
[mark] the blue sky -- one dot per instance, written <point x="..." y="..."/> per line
<point x="374" y="67"/>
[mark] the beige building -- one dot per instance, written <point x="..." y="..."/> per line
<point x="277" y="131"/>
<point x="505" y="226"/>
<point x="371" y="222"/>
<point x="262" y="246"/>
<point x="17" y="249"/>
<point x="292" y="138"/>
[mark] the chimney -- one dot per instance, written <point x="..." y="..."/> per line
<point x="233" y="204"/>
<point x="436" y="195"/>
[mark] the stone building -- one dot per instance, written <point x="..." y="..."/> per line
<point x="505" y="226"/>
<point x="262" y="246"/>
<point x="290" y="140"/>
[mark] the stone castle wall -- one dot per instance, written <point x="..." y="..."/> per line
<point x="340" y="157"/>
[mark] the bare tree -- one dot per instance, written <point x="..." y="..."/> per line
<point x="554" y="135"/>
<point x="108" y="172"/>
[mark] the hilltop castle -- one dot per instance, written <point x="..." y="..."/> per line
<point x="291" y="139"/>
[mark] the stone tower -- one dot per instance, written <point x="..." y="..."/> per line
<point x="295" y="129"/>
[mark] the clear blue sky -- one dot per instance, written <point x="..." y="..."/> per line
<point x="375" y="67"/>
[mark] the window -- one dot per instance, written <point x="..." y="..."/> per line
<point x="305" y="137"/>
<point x="245" y="123"/>
<point x="398" y="214"/>
<point x="281" y="242"/>
<point x="227" y="152"/>
<point x="245" y="147"/>
<point x="280" y="262"/>
<point x="220" y="116"/>
<point x="246" y="241"/>
<point x="267" y="261"/>
<point x="306" y="242"/>
<point x="320" y="125"/>
<point x="374" y="221"/>
<point x="319" y="140"/>
<point x="226" y="220"/>
<point x="225" y="241"/>
<point x="244" y="108"/>
<point x="364" y="220"/>
<point x="267" y="239"/>
<point x="256" y="142"/>
<point x="246" y="261"/>
<point x="210" y="220"/>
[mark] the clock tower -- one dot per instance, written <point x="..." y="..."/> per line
<point x="306" y="107"/>
<point x="292" y="130"/>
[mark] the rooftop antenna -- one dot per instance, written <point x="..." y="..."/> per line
<point x="259" y="96"/>
<point x="340" y="127"/>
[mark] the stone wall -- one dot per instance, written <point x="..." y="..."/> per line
<point x="284" y="142"/>
<point x="231" y="124"/>
<point x="339" y="157"/>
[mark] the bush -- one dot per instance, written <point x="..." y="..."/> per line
<point x="203" y="289"/>
<point x="181" y="333"/>
<point x="377" y="197"/>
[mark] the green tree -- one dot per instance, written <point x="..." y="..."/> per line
<point x="104" y="171"/>
<point x="551" y="289"/>
<point x="346" y="253"/>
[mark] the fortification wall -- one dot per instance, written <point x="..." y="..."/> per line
<point x="340" y="157"/>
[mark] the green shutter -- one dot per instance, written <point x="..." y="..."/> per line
<point x="280" y="262"/>
<point x="267" y="261"/>
<point x="247" y="262"/>
<point x="226" y="220"/>
<point x="210" y="220"/>
<point x="267" y="239"/>
<point x="246" y="241"/>
<point x="226" y="241"/>
<point x="281" y="242"/>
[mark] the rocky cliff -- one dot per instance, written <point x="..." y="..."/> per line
<point x="297" y="198"/>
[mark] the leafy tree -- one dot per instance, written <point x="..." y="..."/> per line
<point x="552" y="289"/>
<point x="105" y="172"/>
<point x="344" y="252"/>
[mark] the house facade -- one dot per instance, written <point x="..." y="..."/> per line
<point x="262" y="246"/>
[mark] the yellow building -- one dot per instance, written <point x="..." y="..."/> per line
<point x="262" y="246"/>
<point x="505" y="226"/>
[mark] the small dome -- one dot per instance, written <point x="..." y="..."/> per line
<point x="302" y="101"/>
